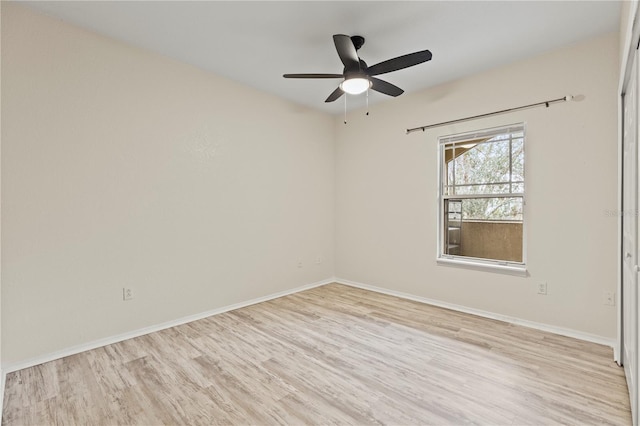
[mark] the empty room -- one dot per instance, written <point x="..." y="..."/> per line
<point x="349" y="212"/>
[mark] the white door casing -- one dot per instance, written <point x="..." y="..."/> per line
<point x="630" y="237"/>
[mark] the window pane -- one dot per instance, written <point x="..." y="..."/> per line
<point x="483" y="163"/>
<point x="492" y="208"/>
<point x="517" y="155"/>
<point x="449" y="154"/>
<point x="501" y="188"/>
<point x="450" y="177"/>
<point x="517" y="187"/>
<point x="488" y="228"/>
<point x="452" y="226"/>
<point x="492" y="240"/>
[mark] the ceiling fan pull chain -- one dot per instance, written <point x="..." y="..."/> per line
<point x="367" y="102"/>
<point x="345" y="108"/>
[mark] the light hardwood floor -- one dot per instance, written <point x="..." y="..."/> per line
<point x="333" y="354"/>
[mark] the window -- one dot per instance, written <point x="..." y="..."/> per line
<point x="481" y="216"/>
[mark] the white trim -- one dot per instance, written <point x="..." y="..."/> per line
<point x="151" y="329"/>
<point x="491" y="315"/>
<point x="617" y="350"/>
<point x="482" y="133"/>
<point x="3" y="383"/>
<point x="627" y="51"/>
<point x="475" y="263"/>
<point x="472" y="263"/>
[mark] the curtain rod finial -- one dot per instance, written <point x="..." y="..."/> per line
<point x="568" y="97"/>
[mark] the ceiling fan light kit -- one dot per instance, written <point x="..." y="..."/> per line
<point x="357" y="76"/>
<point x="355" y="85"/>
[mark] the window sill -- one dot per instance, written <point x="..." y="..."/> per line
<point x="520" y="271"/>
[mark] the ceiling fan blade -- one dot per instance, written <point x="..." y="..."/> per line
<point x="384" y="87"/>
<point x="335" y="95"/>
<point x="347" y="52"/>
<point x="400" y="62"/>
<point x="312" y="75"/>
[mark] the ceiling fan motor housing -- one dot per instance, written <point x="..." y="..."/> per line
<point x="358" y="41"/>
<point x="349" y="74"/>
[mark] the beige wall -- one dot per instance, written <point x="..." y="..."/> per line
<point x="386" y="189"/>
<point x="124" y="168"/>
<point x="627" y="13"/>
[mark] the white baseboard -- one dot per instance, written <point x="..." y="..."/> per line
<point x="512" y="320"/>
<point x="146" y="330"/>
<point x="151" y="329"/>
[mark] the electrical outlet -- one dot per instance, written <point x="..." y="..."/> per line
<point x="609" y="298"/>
<point x="542" y="287"/>
<point x="127" y="293"/>
<point x="318" y="260"/>
<point x="299" y="263"/>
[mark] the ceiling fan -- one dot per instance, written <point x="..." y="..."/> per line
<point x="358" y="77"/>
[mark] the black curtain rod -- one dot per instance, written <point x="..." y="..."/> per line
<point x="504" y="111"/>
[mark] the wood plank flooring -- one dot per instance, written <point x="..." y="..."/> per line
<point x="330" y="355"/>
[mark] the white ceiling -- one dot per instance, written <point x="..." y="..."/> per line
<point x="256" y="42"/>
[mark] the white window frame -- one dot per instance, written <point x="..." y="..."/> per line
<point x="508" y="267"/>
